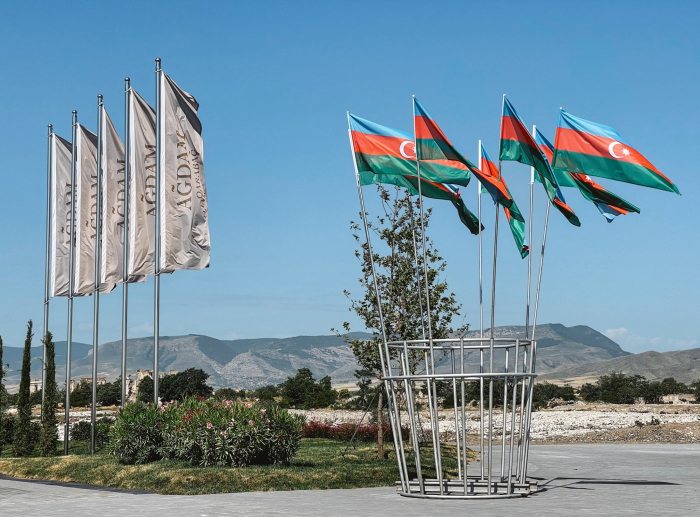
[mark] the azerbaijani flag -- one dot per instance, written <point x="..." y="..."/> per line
<point x="609" y="204"/>
<point x="435" y="151"/>
<point x="375" y="148"/>
<point x="515" y="218"/>
<point x="517" y="144"/>
<point x="582" y="146"/>
<point x="450" y="193"/>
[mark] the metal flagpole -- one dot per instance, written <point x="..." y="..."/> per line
<point x="539" y="276"/>
<point x="529" y="255"/>
<point x="436" y="426"/>
<point x="394" y="431"/>
<point x="47" y="268"/>
<point x="96" y="310"/>
<point x="125" y="262"/>
<point x="71" y="258"/>
<point x="159" y="150"/>
<point x="481" y="332"/>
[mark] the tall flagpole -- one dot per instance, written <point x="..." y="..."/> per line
<point x="529" y="255"/>
<point x="539" y="276"/>
<point x="98" y="240"/>
<point x="156" y="298"/>
<point x="71" y="259"/>
<point x="125" y="262"/>
<point x="379" y="299"/>
<point x="481" y="331"/>
<point x="47" y="268"/>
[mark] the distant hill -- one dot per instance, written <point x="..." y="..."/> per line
<point x="249" y="363"/>
<point x="683" y="365"/>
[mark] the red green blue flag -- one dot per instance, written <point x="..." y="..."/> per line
<point x="435" y="150"/>
<point x="517" y="144"/>
<point x="515" y="218"/>
<point x="585" y="147"/>
<point x="609" y="204"/>
<point x="386" y="155"/>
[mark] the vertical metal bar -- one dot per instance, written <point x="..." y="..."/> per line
<point x="512" y="422"/>
<point x="539" y="276"/>
<point x="505" y="407"/>
<point x="464" y="423"/>
<point x="522" y="405"/>
<point x="71" y="259"/>
<point x="156" y="297"/>
<point x="47" y="267"/>
<point x="529" y="412"/>
<point x="412" y="417"/>
<point x="490" y="454"/>
<point x="454" y="399"/>
<point x="125" y="263"/>
<point x="481" y="335"/>
<point x="400" y="456"/>
<point x="98" y="239"/>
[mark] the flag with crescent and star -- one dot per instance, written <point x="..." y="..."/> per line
<point x="517" y="144"/>
<point x="609" y="204"/>
<point x="515" y="218"/>
<point x="435" y="150"/>
<point x="385" y="155"/>
<point x="585" y="147"/>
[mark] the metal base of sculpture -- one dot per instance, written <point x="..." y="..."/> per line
<point x="477" y="446"/>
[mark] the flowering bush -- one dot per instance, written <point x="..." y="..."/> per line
<point x="207" y="432"/>
<point x="365" y="433"/>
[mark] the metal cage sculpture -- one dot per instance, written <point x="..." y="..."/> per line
<point x="498" y="366"/>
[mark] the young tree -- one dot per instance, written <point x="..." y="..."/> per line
<point x="23" y="444"/>
<point x="191" y="382"/>
<point x="2" y="399"/>
<point x="49" y="427"/>
<point x="398" y="259"/>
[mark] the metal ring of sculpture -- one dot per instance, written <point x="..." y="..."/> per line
<point x="500" y="367"/>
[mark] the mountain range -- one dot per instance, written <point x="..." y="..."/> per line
<point x="250" y="363"/>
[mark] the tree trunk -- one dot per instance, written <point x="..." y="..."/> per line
<point x="380" y="429"/>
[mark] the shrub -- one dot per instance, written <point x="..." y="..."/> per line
<point x="80" y="431"/>
<point x="302" y="391"/>
<point x="206" y="432"/>
<point x="227" y="394"/>
<point x="344" y="432"/>
<point x="10" y="428"/>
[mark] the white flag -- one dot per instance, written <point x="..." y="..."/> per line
<point x="184" y="221"/>
<point x="61" y="155"/>
<point x="142" y="186"/>
<point x="86" y="213"/>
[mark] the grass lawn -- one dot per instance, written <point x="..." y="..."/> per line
<point x="318" y="465"/>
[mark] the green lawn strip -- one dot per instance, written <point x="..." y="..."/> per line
<point x="318" y="465"/>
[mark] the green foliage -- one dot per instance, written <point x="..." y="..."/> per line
<point x="110" y="393"/>
<point x="206" y="432"/>
<point x="145" y="390"/>
<point x="227" y="394"/>
<point x="266" y="393"/>
<point x="397" y="279"/>
<point x="49" y="426"/>
<point x="81" y="431"/>
<point x="3" y="399"/>
<point x="81" y="396"/>
<point x="302" y="391"/>
<point x="190" y="383"/>
<point x="618" y="388"/>
<point x="542" y="393"/>
<point x="23" y="444"/>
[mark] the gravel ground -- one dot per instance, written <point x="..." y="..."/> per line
<point x="574" y="423"/>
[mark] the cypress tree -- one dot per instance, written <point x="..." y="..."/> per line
<point x="49" y="430"/>
<point x="22" y="443"/>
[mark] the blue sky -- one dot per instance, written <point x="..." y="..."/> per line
<point x="274" y="80"/>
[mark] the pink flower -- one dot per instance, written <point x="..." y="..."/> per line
<point x="163" y="408"/>
<point x="208" y="425"/>
<point x="250" y="422"/>
<point x="256" y="400"/>
<point x="248" y="405"/>
<point x="223" y="433"/>
<point x="263" y="411"/>
<point x="267" y="420"/>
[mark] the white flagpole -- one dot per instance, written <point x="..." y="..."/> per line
<point x="125" y="263"/>
<point x="529" y="255"/>
<point x="394" y="431"/>
<point x="71" y="258"/>
<point x="159" y="150"/>
<point x="96" y="309"/>
<point x="47" y="268"/>
<point x="481" y="331"/>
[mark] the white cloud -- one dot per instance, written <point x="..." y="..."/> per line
<point x="144" y="327"/>
<point x="616" y="333"/>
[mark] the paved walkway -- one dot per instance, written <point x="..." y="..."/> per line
<point x="607" y="480"/>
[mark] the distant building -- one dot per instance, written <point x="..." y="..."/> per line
<point x="34" y="385"/>
<point x="133" y="386"/>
